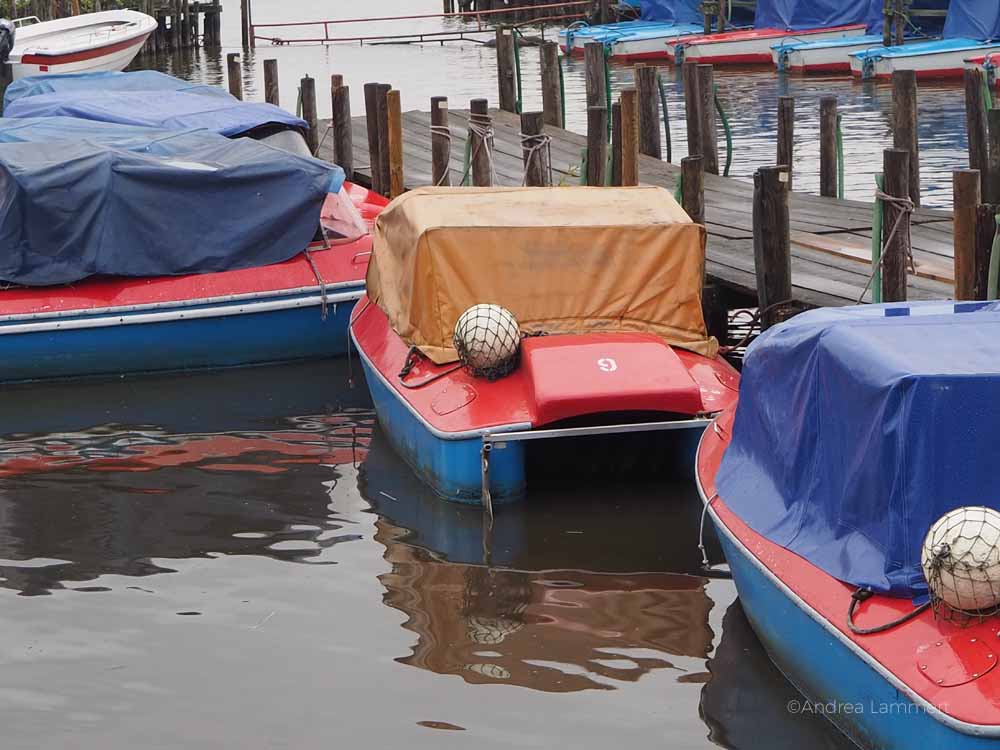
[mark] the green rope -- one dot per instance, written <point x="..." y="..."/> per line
<point x="666" y="115"/>
<point x="987" y="96"/>
<point x="727" y="130"/>
<point x="583" y="166"/>
<point x="840" y="159"/>
<point x="994" y="278"/>
<point x="607" y="88"/>
<point x="878" y="213"/>
<point x="466" y="160"/>
<point x="679" y="189"/>
<point x="562" y="91"/>
<point x="517" y="70"/>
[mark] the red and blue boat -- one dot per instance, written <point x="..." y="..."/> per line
<point x="611" y="277"/>
<point x="856" y="429"/>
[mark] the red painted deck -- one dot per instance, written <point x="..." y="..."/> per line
<point x="975" y="702"/>
<point x="454" y="401"/>
<point x="339" y="263"/>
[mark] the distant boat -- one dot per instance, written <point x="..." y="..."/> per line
<point x="108" y="40"/>
<point x="972" y="29"/>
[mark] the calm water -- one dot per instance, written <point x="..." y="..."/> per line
<point x="465" y="70"/>
<point x="238" y="559"/>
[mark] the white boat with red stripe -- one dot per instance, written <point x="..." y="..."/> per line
<point x="105" y="41"/>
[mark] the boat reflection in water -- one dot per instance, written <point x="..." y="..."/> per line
<point x="553" y="629"/>
<point x="748" y="704"/>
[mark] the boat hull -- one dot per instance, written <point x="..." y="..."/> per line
<point x="937" y="65"/>
<point x="111" y="58"/>
<point x="644" y="45"/>
<point x="819" y="60"/>
<point x="747" y="48"/>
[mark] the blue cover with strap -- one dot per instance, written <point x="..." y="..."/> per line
<point x="144" y="98"/>
<point x="79" y="198"/>
<point x="799" y="15"/>
<point x="974" y="19"/>
<point x="857" y="428"/>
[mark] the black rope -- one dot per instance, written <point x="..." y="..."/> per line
<point x="410" y="362"/>
<point x="755" y="322"/>
<point x="863" y="594"/>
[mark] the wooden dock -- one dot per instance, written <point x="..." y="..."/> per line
<point x="831" y="239"/>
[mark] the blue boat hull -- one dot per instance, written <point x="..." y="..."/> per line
<point x="139" y="342"/>
<point x="832" y="677"/>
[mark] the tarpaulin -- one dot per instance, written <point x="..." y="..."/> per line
<point x="76" y="201"/>
<point x="142" y="98"/>
<point x="857" y="428"/>
<point x="798" y="15"/>
<point x="671" y="11"/>
<point x="973" y="19"/>
<point x="562" y="260"/>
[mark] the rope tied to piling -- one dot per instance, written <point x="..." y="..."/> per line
<point x="902" y="223"/>
<point x="481" y="126"/>
<point x="443" y="131"/>
<point x="319" y="279"/>
<point x="537" y="146"/>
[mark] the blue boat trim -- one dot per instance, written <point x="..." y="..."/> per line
<point x="926" y="709"/>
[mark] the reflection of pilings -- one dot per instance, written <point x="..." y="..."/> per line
<point x="178" y="24"/>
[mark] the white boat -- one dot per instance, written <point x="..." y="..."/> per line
<point x="106" y="41"/>
<point x="629" y="40"/>
<point x="944" y="58"/>
<point x="827" y="56"/>
<point x="748" y="47"/>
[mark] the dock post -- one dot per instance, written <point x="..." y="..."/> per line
<point x="271" y="95"/>
<point x="551" y="90"/>
<point x="343" y="136"/>
<point x="786" y="135"/>
<point x="967" y="196"/>
<point x="235" y="74"/>
<point x="986" y="227"/>
<point x="371" y="121"/>
<point x="603" y="11"/>
<point x="535" y="150"/>
<point x="245" y="22"/>
<point x="440" y="141"/>
<point x="309" y="113"/>
<point x="900" y="26"/>
<point x="506" y="81"/>
<point x="382" y="118"/>
<point x="895" y="240"/>
<point x="709" y="134"/>
<point x="887" y="19"/>
<point x="904" y="131"/>
<point x="597" y="144"/>
<point x="772" y="254"/>
<point x="6" y="78"/>
<point x="693" y="193"/>
<point x="975" y="122"/>
<point x="593" y="64"/>
<point x="481" y="138"/>
<point x="648" y="93"/>
<point x="395" y="133"/>
<point x="616" y="143"/>
<point x="692" y="107"/>
<point x="723" y="12"/>
<point x="630" y="138"/>
<point x="828" y="146"/>
<point x="991" y="180"/>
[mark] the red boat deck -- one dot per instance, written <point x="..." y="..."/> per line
<point x="562" y="376"/>
<point x="896" y="649"/>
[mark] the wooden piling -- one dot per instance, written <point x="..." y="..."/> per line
<point x="394" y="117"/>
<point x="551" y="87"/>
<point x="537" y="167"/>
<point x="603" y="11"/>
<point x="786" y="136"/>
<point x="986" y="227"/>
<point x="828" y="146"/>
<point x="904" y="101"/>
<point x="648" y="94"/>
<point x="245" y="23"/>
<point x="975" y="122"/>
<point x="343" y="131"/>
<point x="723" y="12"/>
<point x="506" y="79"/>
<point x="887" y="18"/>
<point x="771" y="243"/>
<point x="895" y="253"/>
<point x="481" y="126"/>
<point x="6" y="78"/>
<point x="309" y="113"/>
<point x="899" y="30"/>
<point x="709" y="135"/>
<point x="692" y="108"/>
<point x="271" y="94"/>
<point x="693" y="188"/>
<point x="630" y="137"/>
<point x="991" y="181"/>
<point x="371" y="120"/>
<point x="966" y="199"/>
<point x="593" y="65"/>
<point x="597" y="144"/>
<point x="382" y="116"/>
<point x="440" y="143"/>
<point x="235" y="74"/>
<point x="616" y="143"/>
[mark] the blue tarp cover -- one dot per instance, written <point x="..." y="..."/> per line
<point x="975" y="19"/>
<point x="667" y="11"/>
<point x="80" y="198"/>
<point x="798" y="15"/>
<point x="143" y="98"/>
<point x="857" y="428"/>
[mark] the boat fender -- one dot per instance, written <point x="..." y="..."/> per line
<point x="7" y="34"/>
<point x="961" y="561"/>
<point x="488" y="341"/>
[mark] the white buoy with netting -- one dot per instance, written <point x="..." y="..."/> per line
<point x="961" y="561"/>
<point x="488" y="341"/>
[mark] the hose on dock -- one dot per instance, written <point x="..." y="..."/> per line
<point x="992" y="292"/>
<point x="987" y="95"/>
<point x="727" y="130"/>
<point x="666" y="115"/>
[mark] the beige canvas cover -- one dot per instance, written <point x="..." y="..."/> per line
<point x="562" y="260"/>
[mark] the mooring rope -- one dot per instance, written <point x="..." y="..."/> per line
<point x="445" y="132"/>
<point x="905" y="206"/>
<point x="481" y="126"/>
<point x="322" y="283"/>
<point x="537" y="146"/>
<point x="864" y="594"/>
